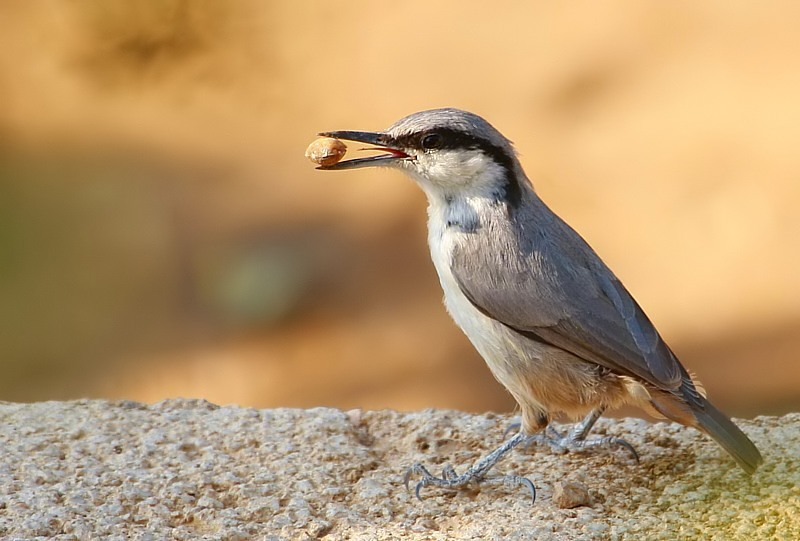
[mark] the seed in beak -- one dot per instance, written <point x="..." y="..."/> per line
<point x="326" y="151"/>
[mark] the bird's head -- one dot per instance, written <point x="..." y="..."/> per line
<point x="447" y="151"/>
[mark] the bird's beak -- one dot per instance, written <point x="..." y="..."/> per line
<point x="381" y="141"/>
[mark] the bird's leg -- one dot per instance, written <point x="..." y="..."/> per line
<point x="581" y="430"/>
<point x="476" y="474"/>
<point x="577" y="438"/>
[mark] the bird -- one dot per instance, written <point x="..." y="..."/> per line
<point x="554" y="324"/>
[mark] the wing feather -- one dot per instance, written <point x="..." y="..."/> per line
<point x="555" y="289"/>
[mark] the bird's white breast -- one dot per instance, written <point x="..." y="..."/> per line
<point x="441" y="241"/>
<point x="490" y="338"/>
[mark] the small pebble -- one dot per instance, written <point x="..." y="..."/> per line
<point x="570" y="494"/>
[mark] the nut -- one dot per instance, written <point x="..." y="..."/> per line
<point x="326" y="151"/>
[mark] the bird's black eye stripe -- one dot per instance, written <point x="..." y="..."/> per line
<point x="450" y="139"/>
<point x="447" y="139"/>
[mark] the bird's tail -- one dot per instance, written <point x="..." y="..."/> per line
<point x="717" y="425"/>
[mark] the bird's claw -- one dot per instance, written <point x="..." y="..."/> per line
<point x="449" y="472"/>
<point x="427" y="477"/>
<point x="573" y="440"/>
<point x="566" y="443"/>
<point x="452" y="481"/>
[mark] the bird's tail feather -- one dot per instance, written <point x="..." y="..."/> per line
<point x="717" y="425"/>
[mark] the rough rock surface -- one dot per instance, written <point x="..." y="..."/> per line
<point x="187" y="469"/>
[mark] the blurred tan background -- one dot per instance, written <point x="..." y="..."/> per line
<point x="162" y="235"/>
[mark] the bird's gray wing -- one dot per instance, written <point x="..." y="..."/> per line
<point x="561" y="293"/>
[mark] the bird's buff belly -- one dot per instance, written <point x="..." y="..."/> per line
<point x="544" y="380"/>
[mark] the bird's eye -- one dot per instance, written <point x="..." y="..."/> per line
<point x="431" y="141"/>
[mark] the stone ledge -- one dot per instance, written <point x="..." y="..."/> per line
<point x="187" y="469"/>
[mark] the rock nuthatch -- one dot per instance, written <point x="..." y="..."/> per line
<point x="554" y="324"/>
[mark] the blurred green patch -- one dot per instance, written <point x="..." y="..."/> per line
<point x="80" y="245"/>
<point x="102" y="260"/>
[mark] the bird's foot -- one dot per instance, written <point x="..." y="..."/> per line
<point x="569" y="442"/>
<point x="575" y="439"/>
<point x="475" y="475"/>
<point x="452" y="481"/>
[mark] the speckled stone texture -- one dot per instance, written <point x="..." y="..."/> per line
<point x="187" y="469"/>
